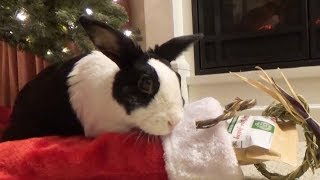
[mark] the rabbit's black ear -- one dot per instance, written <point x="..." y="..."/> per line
<point x="171" y="49"/>
<point x="113" y="43"/>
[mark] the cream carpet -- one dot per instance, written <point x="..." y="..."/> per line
<point x="251" y="173"/>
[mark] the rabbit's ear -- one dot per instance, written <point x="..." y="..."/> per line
<point x="171" y="49"/>
<point x="114" y="44"/>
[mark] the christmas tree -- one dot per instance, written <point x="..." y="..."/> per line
<point x="47" y="27"/>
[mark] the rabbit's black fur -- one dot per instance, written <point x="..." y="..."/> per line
<point x="42" y="107"/>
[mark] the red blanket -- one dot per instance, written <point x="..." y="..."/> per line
<point x="4" y="117"/>
<point x="110" y="156"/>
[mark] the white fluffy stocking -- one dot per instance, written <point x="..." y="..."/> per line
<point x="192" y="153"/>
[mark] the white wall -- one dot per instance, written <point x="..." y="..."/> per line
<point x="137" y="13"/>
<point x="154" y="19"/>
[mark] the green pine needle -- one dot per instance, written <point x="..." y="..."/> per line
<point x="50" y="25"/>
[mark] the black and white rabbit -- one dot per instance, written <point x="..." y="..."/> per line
<point x="115" y="89"/>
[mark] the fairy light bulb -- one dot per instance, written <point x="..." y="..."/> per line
<point x="22" y="15"/>
<point x="89" y="11"/>
<point x="127" y="33"/>
<point x="65" y="50"/>
<point x="49" y="52"/>
<point x="28" y="39"/>
<point x="71" y="25"/>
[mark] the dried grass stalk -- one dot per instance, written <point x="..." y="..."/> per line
<point x="293" y="108"/>
<point x="288" y="107"/>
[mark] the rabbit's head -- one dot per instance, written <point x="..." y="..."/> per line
<point x="145" y="86"/>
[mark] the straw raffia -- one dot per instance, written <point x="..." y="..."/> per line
<point x="289" y="108"/>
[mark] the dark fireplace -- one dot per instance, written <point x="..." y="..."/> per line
<point x="241" y="34"/>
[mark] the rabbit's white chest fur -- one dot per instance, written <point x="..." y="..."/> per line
<point x="90" y="90"/>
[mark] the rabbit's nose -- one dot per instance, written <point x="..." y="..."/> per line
<point x="174" y="119"/>
<point x="172" y="123"/>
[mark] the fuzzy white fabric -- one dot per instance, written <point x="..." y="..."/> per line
<point x="202" y="153"/>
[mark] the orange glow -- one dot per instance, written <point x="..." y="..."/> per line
<point x="266" y="27"/>
<point x="317" y="22"/>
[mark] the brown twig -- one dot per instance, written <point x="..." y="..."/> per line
<point x="229" y="112"/>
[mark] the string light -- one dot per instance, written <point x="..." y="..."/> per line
<point x="49" y="52"/>
<point x="89" y="11"/>
<point x="127" y="33"/>
<point x="71" y="25"/>
<point x="22" y="15"/>
<point x="65" y="50"/>
<point x="67" y="26"/>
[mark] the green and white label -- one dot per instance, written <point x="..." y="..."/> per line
<point x="249" y="131"/>
<point x="263" y="126"/>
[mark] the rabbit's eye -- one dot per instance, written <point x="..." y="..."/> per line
<point x="145" y="84"/>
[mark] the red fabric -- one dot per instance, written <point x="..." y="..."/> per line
<point x="4" y="117"/>
<point x="110" y="156"/>
<point x="4" y="114"/>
